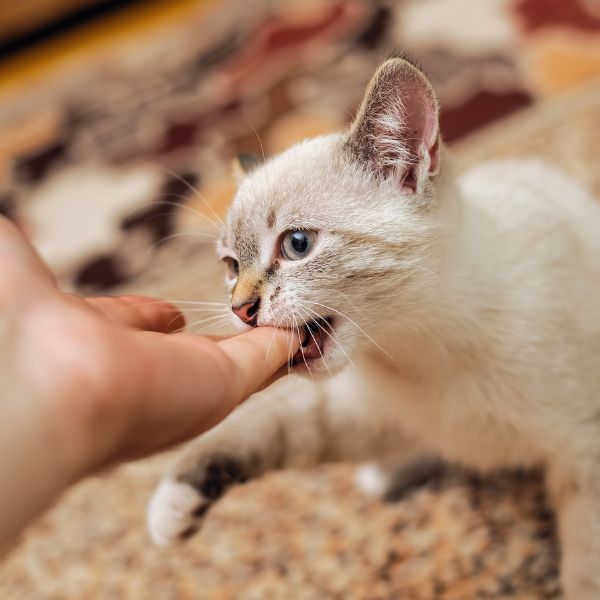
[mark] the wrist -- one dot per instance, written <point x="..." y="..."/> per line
<point x="34" y="472"/>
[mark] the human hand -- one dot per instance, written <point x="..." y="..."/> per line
<point x="88" y="383"/>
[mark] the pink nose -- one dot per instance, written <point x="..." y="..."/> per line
<point x="248" y="312"/>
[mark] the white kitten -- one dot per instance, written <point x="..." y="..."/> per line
<point x="459" y="316"/>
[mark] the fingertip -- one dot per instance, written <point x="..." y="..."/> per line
<point x="259" y="354"/>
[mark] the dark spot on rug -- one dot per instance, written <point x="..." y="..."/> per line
<point x="101" y="273"/>
<point x="34" y="167"/>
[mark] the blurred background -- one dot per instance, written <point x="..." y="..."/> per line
<point x="110" y="112"/>
<point x="118" y="123"/>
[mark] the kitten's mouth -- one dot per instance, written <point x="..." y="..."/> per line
<point x="315" y="335"/>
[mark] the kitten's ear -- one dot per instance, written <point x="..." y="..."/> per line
<point x="396" y="131"/>
<point x="244" y="164"/>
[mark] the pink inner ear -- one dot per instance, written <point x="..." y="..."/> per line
<point x="434" y="154"/>
<point x="420" y="128"/>
<point x="421" y="116"/>
<point x="396" y="131"/>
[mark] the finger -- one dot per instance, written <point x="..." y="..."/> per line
<point x="178" y="387"/>
<point x="256" y="358"/>
<point x="192" y="338"/>
<point x="139" y="312"/>
<point x="20" y="262"/>
<point x="259" y="354"/>
<point x="170" y="390"/>
<point x="280" y="373"/>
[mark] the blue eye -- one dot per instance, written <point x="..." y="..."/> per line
<point x="297" y="244"/>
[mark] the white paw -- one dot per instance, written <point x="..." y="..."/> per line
<point x="174" y="512"/>
<point x="371" y="480"/>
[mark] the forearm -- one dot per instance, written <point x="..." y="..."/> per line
<point x="33" y="473"/>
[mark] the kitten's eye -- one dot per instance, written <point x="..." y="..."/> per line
<point x="297" y="244"/>
<point x="233" y="267"/>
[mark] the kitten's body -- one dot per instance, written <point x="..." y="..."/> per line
<point x="508" y="370"/>
<point x="473" y="326"/>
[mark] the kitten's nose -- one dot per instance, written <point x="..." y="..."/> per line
<point x="248" y="311"/>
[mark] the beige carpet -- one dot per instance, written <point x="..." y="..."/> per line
<point x="313" y="535"/>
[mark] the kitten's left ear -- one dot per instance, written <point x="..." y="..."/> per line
<point x="396" y="131"/>
<point x="244" y="164"/>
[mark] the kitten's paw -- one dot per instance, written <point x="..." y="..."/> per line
<point x="177" y="507"/>
<point x="174" y="512"/>
<point x="395" y="484"/>
<point x="371" y="480"/>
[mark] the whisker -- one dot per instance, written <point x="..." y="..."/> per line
<point x="219" y="318"/>
<point x="262" y="148"/>
<point x="213" y="328"/>
<point x="315" y="340"/>
<point x="268" y="353"/>
<point x="215" y="311"/>
<point x="355" y="324"/>
<point x="433" y="274"/>
<point x="196" y="302"/>
<point x="194" y="190"/>
<point x="331" y="333"/>
<point x="224" y="308"/>
<point x="141" y="209"/>
<point x="346" y="297"/>
<point x="191" y="210"/>
<point x="290" y="358"/>
<point x="175" y="303"/>
<point x="301" y="348"/>
<point x="208" y="319"/>
<point x="162" y="240"/>
<point x="211" y="306"/>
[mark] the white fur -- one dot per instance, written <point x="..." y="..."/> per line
<point x="371" y="480"/>
<point x="472" y="331"/>
<point x="170" y="511"/>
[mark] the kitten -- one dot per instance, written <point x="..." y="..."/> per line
<point x="448" y="317"/>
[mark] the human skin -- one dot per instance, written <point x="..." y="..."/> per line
<point x="88" y="383"/>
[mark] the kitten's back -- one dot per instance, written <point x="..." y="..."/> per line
<point x="537" y="191"/>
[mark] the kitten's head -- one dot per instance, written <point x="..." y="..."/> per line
<point x="334" y="237"/>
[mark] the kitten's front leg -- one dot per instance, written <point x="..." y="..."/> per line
<point x="299" y="424"/>
<point x="576" y="499"/>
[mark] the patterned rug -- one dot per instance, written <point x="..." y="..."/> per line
<point x="104" y="160"/>
<point x="103" y="165"/>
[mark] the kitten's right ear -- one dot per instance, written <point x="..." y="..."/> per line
<point x="244" y="164"/>
<point x="396" y="132"/>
